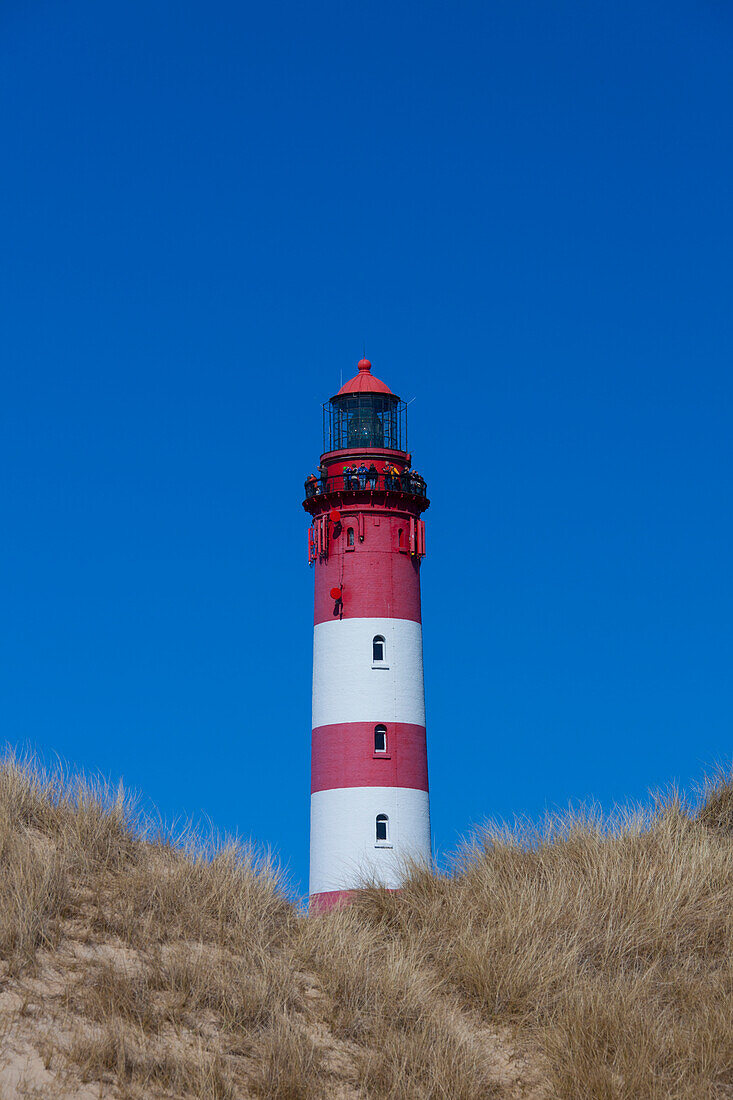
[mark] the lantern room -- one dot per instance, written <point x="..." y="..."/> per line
<point x="364" y="415"/>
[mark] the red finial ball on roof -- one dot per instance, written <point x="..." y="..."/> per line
<point x="364" y="381"/>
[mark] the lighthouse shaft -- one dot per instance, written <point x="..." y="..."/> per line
<point x="369" y="784"/>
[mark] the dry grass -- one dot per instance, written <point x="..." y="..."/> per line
<point x="162" y="968"/>
<point x="126" y="1055"/>
<point x="583" y="960"/>
<point x="290" y="1063"/>
<point x="608" y="948"/>
<point x="409" y="1040"/>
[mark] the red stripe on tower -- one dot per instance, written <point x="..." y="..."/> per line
<point x="369" y="754"/>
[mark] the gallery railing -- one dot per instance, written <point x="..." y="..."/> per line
<point x="405" y="482"/>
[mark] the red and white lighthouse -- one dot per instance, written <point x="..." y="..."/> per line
<point x="369" y="777"/>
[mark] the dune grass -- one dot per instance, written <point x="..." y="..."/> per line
<point x="607" y="949"/>
<point x="581" y="959"/>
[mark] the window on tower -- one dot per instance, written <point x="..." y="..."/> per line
<point x="378" y="648"/>
<point x="380" y="738"/>
<point x="350" y="537"/>
<point x="382" y="829"/>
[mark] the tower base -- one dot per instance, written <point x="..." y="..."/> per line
<point x="335" y="899"/>
<point x="329" y="899"/>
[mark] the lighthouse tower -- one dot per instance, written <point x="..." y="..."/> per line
<point x="369" y="777"/>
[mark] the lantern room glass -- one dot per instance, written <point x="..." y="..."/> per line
<point x="364" y="421"/>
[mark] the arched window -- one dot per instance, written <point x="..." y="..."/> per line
<point x="382" y="827"/>
<point x="401" y="538"/>
<point x="378" y="648"/>
<point x="380" y="738"/>
<point x="350" y="536"/>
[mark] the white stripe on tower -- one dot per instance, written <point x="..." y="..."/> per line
<point x="348" y="686"/>
<point x="344" y="852"/>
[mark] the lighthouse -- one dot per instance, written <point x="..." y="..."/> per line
<point x="370" y="815"/>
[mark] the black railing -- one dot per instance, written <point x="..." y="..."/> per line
<point x="406" y="482"/>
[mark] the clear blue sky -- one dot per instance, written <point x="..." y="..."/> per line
<point x="525" y="211"/>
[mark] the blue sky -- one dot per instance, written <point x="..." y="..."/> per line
<point x="524" y="210"/>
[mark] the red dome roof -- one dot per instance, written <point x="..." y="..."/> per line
<point x="364" y="381"/>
